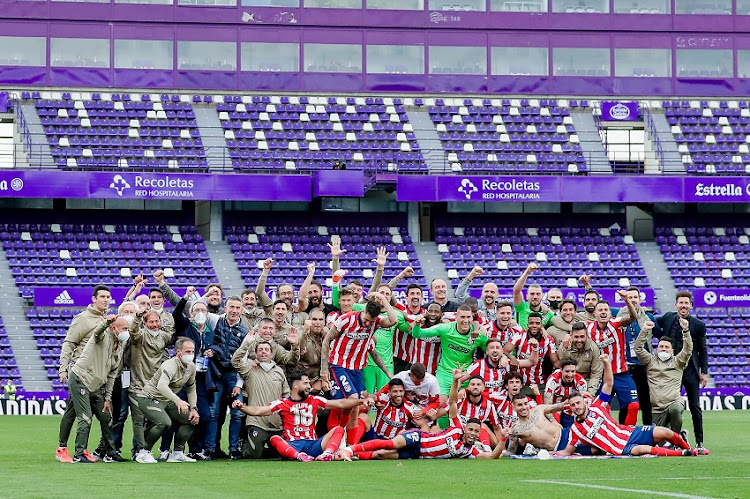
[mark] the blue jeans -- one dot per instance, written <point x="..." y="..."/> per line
<point x="225" y="387"/>
<point x="197" y="441"/>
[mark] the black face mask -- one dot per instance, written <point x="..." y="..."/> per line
<point x="555" y="304"/>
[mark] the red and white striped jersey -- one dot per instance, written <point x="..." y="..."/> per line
<point x="298" y="417"/>
<point x="392" y="420"/>
<point x="504" y="335"/>
<point x="506" y="413"/>
<point x="493" y="377"/>
<point x="561" y="391"/>
<point x="611" y="341"/>
<point x="332" y="316"/>
<point x="483" y="411"/>
<point x="350" y="349"/>
<point x="403" y="342"/>
<point x="533" y="374"/>
<point x="600" y="430"/>
<point x="447" y="444"/>
<point x="426" y="351"/>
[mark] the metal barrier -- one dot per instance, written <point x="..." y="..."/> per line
<point x="653" y="133"/>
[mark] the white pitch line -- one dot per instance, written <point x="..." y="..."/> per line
<point x="620" y="489"/>
<point x="676" y="478"/>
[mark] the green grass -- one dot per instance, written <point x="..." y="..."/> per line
<point x="28" y="469"/>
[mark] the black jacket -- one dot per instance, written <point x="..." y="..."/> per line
<point x="697" y="332"/>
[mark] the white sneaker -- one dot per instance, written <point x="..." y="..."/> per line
<point x="179" y="457"/>
<point x="145" y="457"/>
<point x="530" y="450"/>
<point x="163" y="456"/>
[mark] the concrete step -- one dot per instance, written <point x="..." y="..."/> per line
<point x="225" y="266"/>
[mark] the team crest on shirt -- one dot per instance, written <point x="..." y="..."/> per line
<point x="83" y="391"/>
<point x="277" y="376"/>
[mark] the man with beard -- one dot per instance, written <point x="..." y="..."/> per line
<point x="502" y="327"/>
<point x="439" y="291"/>
<point x="590" y="299"/>
<point x="311" y="345"/>
<point x="562" y="324"/>
<point x="609" y="335"/>
<point x="264" y="382"/>
<point x="456" y="441"/>
<point x="251" y="313"/>
<point x="524" y="343"/>
<point x="635" y="368"/>
<point x="426" y="351"/>
<point x="279" y="314"/>
<point x="422" y="390"/>
<point x="695" y="375"/>
<point x="585" y="353"/>
<point x="395" y="414"/>
<point x="476" y="405"/>
<point x="403" y="343"/>
<point x="298" y="412"/>
<point x="487" y="305"/>
<point x="285" y="292"/>
<point x="282" y="356"/>
<point x="505" y="410"/>
<point x="533" y="296"/>
<point x="493" y="368"/>
<point x="458" y="340"/>
<point x="315" y="299"/>
<point x="560" y="385"/>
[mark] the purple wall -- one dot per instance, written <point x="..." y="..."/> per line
<point x="424" y="28"/>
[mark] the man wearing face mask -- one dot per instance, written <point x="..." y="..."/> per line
<point x="163" y="408"/>
<point x="265" y="382"/>
<point x="554" y="299"/>
<point x="79" y="332"/>
<point x="146" y="355"/>
<point x="95" y="370"/>
<point x="120" y="402"/>
<point x="664" y="371"/>
<point x="695" y="375"/>
<point x="196" y="329"/>
<point x="251" y="313"/>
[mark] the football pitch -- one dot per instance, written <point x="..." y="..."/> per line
<point x="28" y="469"/>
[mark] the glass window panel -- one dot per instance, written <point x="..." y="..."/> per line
<point x="743" y="7"/>
<point x="458" y="5"/>
<point x="395" y="59"/>
<point x="520" y="61"/>
<point x="643" y="62"/>
<point x="260" y="56"/>
<point x="23" y="51"/>
<point x="333" y="58"/>
<point x="396" y="4"/>
<point x="208" y="3"/>
<point x="143" y="54"/>
<point x="704" y="63"/>
<point x="518" y="5"/>
<point x="580" y="62"/>
<point x="216" y="56"/>
<point x="152" y="2"/>
<point x="334" y="4"/>
<point x="743" y="63"/>
<point x="643" y="6"/>
<point x="79" y="52"/>
<point x="581" y="6"/>
<point x="271" y="3"/>
<point x="723" y="7"/>
<point x="87" y="1"/>
<point x="458" y="60"/>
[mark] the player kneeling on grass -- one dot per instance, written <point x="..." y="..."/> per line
<point x="456" y="441"/>
<point x="162" y="408"/>
<point x="595" y="426"/>
<point x="298" y="413"/>
<point x="395" y="414"/>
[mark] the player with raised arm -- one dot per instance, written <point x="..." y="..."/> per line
<point x="456" y="441"/>
<point x="596" y="427"/>
<point x="298" y="414"/>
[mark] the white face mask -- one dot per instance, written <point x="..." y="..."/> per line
<point x="187" y="359"/>
<point x="154" y="333"/>
<point x="266" y="366"/>
<point x="200" y="318"/>
<point x="123" y="336"/>
<point x="664" y="356"/>
<point x="129" y="319"/>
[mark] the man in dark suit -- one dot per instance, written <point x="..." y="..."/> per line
<point x="695" y="375"/>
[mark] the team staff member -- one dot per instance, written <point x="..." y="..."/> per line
<point x="163" y="408"/>
<point x="695" y="375"/>
<point x="97" y="368"/>
<point x="79" y="332"/>
<point x="586" y="354"/>
<point x="265" y="382"/>
<point x="488" y="303"/>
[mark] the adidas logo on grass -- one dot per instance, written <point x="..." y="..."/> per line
<point x="64" y="298"/>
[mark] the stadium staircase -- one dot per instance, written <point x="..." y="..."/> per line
<point x="432" y="264"/>
<point x="672" y="157"/>
<point x="658" y="274"/>
<point x="591" y="142"/>
<point x="21" y="337"/>
<point x="429" y="141"/>
<point x="40" y="154"/>
<point x="225" y="266"/>
<point x="213" y="138"/>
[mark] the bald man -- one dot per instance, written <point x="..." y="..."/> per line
<point x="488" y="303"/>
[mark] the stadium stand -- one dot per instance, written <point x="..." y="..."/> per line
<point x="8" y="364"/>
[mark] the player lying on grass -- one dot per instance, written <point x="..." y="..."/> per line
<point x="456" y="441"/>
<point x="595" y="426"/>
<point x="298" y="414"/>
